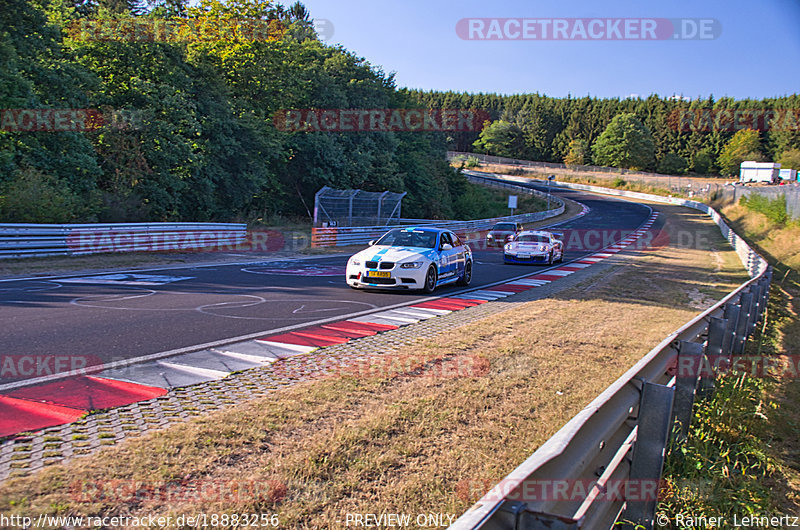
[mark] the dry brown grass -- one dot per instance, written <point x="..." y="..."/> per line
<point x="402" y="443"/>
<point x="779" y="244"/>
<point x="781" y="247"/>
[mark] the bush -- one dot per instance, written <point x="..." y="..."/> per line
<point x="672" y="164"/>
<point x="703" y="163"/>
<point x="473" y="162"/>
<point x="774" y="209"/>
<point x="34" y="197"/>
<point x="619" y="182"/>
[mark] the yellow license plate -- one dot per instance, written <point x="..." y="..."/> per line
<point x="378" y="274"/>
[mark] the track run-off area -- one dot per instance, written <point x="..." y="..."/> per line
<point x="142" y="333"/>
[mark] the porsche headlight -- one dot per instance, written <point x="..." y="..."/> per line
<point x="411" y="265"/>
<point x="510" y="246"/>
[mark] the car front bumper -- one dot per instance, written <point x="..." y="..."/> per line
<point x="528" y="257"/>
<point x="357" y="276"/>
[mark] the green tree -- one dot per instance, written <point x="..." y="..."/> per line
<point x="790" y="159"/>
<point x="703" y="162"/>
<point x="579" y="153"/>
<point x="745" y="145"/>
<point x="501" y="138"/>
<point x="625" y="143"/>
<point x="672" y="164"/>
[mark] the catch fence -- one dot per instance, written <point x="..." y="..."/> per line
<point x="334" y="207"/>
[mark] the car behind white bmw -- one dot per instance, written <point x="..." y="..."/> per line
<point x="534" y="246"/>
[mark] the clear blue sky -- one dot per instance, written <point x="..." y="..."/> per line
<point x="756" y="55"/>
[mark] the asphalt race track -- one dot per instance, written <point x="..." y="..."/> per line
<point x="104" y="318"/>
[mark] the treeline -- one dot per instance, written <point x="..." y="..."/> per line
<point x="185" y="129"/>
<point x="671" y="134"/>
<point x="160" y="110"/>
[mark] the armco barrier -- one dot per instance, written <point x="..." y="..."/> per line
<point x="19" y="240"/>
<point x="616" y="445"/>
<point x="488" y="159"/>
<point x="471" y="231"/>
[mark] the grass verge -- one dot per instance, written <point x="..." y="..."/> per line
<point x="742" y="457"/>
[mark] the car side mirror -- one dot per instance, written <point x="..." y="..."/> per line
<point x="372" y="242"/>
<point x="447" y="246"/>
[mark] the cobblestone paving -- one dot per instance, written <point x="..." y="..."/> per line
<point x="25" y="454"/>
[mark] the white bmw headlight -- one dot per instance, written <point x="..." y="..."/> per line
<point x="411" y="265"/>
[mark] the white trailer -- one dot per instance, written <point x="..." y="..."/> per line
<point x="788" y="174"/>
<point x="751" y="171"/>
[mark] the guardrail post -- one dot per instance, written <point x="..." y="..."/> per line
<point x="765" y="285"/>
<point x="731" y="313"/>
<point x="648" y="453"/>
<point x="714" y="349"/>
<point x="690" y="359"/>
<point x="717" y="330"/>
<point x="745" y="301"/>
<point x="755" y="293"/>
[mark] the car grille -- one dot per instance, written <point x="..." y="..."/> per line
<point x="383" y="265"/>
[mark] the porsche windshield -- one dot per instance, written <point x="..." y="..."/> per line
<point x="531" y="238"/>
<point x="409" y="238"/>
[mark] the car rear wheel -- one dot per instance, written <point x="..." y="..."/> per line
<point x="430" y="280"/>
<point x="466" y="278"/>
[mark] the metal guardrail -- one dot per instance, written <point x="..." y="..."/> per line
<point x="470" y="231"/>
<point x="489" y="159"/>
<point x="621" y="436"/>
<point x="19" y="240"/>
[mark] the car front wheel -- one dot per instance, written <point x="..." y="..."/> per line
<point x="430" y="280"/>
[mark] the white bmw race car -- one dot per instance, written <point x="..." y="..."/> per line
<point x="411" y="258"/>
<point x="534" y="246"/>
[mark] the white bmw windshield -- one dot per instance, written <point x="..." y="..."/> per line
<point x="409" y="238"/>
